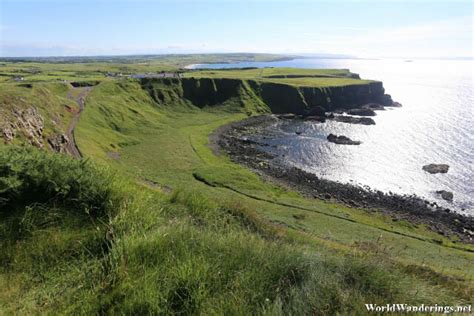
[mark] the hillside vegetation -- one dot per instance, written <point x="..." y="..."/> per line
<point x="155" y="221"/>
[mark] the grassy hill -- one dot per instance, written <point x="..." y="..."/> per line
<point x="154" y="221"/>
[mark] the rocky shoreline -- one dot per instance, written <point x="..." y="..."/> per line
<point x="233" y="140"/>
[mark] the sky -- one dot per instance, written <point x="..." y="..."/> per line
<point x="405" y="29"/>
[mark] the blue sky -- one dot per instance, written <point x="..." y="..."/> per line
<point x="359" y="28"/>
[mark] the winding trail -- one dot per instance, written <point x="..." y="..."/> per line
<point x="80" y="99"/>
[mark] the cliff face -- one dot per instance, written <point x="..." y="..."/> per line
<point x="264" y="96"/>
<point x="345" y="97"/>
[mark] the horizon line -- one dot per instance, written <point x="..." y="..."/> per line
<point x="292" y="55"/>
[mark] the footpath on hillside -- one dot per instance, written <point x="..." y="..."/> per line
<point x="78" y="95"/>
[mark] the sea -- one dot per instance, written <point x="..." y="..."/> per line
<point x="434" y="125"/>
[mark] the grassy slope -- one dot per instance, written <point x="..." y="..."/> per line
<point x="119" y="248"/>
<point x="169" y="146"/>
<point x="238" y="246"/>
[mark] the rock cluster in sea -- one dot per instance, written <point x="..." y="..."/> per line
<point x="446" y="195"/>
<point x="436" y="168"/>
<point x="342" y="140"/>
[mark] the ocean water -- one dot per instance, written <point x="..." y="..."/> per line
<point x="435" y="125"/>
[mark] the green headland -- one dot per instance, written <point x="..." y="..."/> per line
<point x="153" y="220"/>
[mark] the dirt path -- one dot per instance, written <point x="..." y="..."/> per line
<point x="80" y="99"/>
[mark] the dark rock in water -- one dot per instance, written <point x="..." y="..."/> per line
<point x="373" y="106"/>
<point x="446" y="195"/>
<point x="395" y="104"/>
<point x="298" y="132"/>
<point x="354" y="120"/>
<point x="436" y="168"/>
<point x="362" y="112"/>
<point x="342" y="140"/>
<point x="287" y="116"/>
<point x="321" y="119"/>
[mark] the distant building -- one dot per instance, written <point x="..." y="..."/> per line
<point x="113" y="74"/>
<point x="161" y="74"/>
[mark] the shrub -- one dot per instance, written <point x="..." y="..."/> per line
<point x="29" y="177"/>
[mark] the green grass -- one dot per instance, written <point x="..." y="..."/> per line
<point x="320" y="78"/>
<point x="146" y="253"/>
<point x="104" y="236"/>
<point x="95" y="68"/>
<point x="268" y="73"/>
<point x="169" y="147"/>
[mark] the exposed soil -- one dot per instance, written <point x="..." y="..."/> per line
<point x="232" y="139"/>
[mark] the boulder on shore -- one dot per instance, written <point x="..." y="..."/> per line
<point x="446" y="195"/>
<point x="396" y="105"/>
<point x="342" y="140"/>
<point x="436" y="168"/>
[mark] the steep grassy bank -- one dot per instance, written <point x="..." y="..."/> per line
<point x="224" y="242"/>
<point x="122" y="248"/>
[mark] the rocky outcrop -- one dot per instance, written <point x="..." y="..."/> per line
<point x="8" y="131"/>
<point x="436" y="168"/>
<point x="30" y="123"/>
<point x="342" y="140"/>
<point x="58" y="143"/>
<point x="27" y="121"/>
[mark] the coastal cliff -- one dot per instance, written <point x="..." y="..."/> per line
<point x="264" y="97"/>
